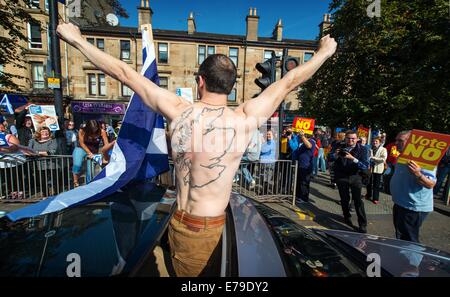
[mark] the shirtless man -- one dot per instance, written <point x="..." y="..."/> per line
<point x="208" y="141"/>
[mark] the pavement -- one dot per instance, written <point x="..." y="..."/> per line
<point x="324" y="211"/>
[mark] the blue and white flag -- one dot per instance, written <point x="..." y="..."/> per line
<point x="140" y="151"/>
<point x="5" y="105"/>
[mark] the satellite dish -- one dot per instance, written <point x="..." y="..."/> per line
<point x="112" y="19"/>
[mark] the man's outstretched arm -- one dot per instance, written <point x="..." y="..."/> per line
<point x="263" y="106"/>
<point x="159" y="99"/>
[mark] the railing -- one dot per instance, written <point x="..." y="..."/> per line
<point x="267" y="181"/>
<point x="36" y="178"/>
<point x="263" y="182"/>
<point x="39" y="177"/>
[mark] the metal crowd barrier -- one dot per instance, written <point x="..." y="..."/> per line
<point x="267" y="181"/>
<point x="35" y="178"/>
<point x="271" y="182"/>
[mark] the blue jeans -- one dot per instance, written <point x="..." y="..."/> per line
<point x="321" y="165"/>
<point x="244" y="167"/>
<point x="315" y="165"/>
<point x="442" y="172"/>
<point x="78" y="156"/>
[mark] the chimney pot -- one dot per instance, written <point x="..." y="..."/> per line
<point x="250" y="11"/>
<point x="254" y="11"/>
<point x="147" y="4"/>
<point x="142" y="3"/>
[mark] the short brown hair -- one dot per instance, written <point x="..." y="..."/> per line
<point x="219" y="73"/>
<point x="37" y="135"/>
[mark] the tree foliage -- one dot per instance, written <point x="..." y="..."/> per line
<point x="390" y="72"/>
<point x="14" y="17"/>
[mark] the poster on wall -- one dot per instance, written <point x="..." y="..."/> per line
<point x="186" y="93"/>
<point x="44" y="116"/>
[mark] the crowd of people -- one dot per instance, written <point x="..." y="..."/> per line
<point x="93" y="140"/>
<point x="351" y="162"/>
<point x="354" y="164"/>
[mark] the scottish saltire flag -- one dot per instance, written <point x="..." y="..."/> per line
<point x="140" y="151"/>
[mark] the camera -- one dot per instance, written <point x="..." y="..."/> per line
<point x="343" y="150"/>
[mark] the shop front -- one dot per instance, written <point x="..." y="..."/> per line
<point x="107" y="112"/>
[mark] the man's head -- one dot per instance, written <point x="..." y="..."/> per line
<point x="351" y="138"/>
<point x="269" y="135"/>
<point x="401" y="139"/>
<point x="217" y="74"/>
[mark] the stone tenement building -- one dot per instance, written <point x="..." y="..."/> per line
<point x="88" y="93"/>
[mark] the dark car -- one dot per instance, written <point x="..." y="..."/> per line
<point x="126" y="234"/>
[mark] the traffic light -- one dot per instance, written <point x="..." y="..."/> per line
<point x="289" y="63"/>
<point x="268" y="71"/>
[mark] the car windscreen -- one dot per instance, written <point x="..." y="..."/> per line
<point x="304" y="253"/>
<point x="103" y="238"/>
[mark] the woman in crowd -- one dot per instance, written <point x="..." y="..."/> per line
<point x="45" y="145"/>
<point x="89" y="137"/>
<point x="378" y="156"/>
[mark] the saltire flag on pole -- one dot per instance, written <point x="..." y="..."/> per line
<point x="140" y="151"/>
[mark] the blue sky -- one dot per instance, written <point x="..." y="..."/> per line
<point x="300" y="17"/>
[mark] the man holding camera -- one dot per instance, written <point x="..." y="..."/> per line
<point x="351" y="159"/>
<point x="303" y="152"/>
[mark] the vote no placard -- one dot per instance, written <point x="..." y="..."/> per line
<point x="425" y="148"/>
<point x="307" y="125"/>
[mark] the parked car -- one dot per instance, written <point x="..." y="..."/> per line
<point x="126" y="234"/>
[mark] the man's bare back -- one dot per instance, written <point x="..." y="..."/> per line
<point x="208" y="139"/>
<point x="207" y="145"/>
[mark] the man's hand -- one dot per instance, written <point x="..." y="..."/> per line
<point x="327" y="46"/>
<point x="69" y="33"/>
<point x="349" y="156"/>
<point x="414" y="168"/>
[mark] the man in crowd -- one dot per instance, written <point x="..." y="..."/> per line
<point x="350" y="160"/>
<point x="304" y="154"/>
<point x="412" y="193"/>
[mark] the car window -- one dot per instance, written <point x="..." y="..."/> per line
<point x="103" y="237"/>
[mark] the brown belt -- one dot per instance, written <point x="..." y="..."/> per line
<point x="197" y="222"/>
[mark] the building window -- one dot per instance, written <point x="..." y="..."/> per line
<point x="164" y="82"/>
<point x="126" y="91"/>
<point x="46" y="5"/>
<point x="267" y="55"/>
<point x="97" y="84"/>
<point x="34" y="35"/>
<point x="307" y="57"/>
<point x="234" y="51"/>
<point x="211" y="50"/>
<point x="125" y="50"/>
<point x="163" y="53"/>
<point x="102" y="85"/>
<point x="201" y="54"/>
<point x="92" y="82"/>
<point x="37" y="75"/>
<point x="34" y="3"/>
<point x="232" y="96"/>
<point x="101" y="44"/>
